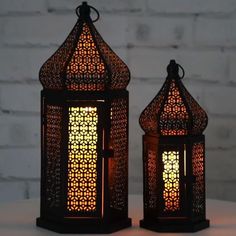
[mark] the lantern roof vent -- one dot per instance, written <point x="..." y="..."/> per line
<point x="173" y="111"/>
<point x="84" y="62"/>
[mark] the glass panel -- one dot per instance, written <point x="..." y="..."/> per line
<point x="171" y="192"/>
<point x="82" y="159"/>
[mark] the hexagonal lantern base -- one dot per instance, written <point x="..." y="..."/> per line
<point x="83" y="226"/>
<point x="175" y="226"/>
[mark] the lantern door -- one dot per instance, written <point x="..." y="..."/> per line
<point x="85" y="160"/>
<point x="172" y="181"/>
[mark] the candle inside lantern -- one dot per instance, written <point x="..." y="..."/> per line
<point x="82" y="167"/>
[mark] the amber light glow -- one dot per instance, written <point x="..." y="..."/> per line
<point x="82" y="163"/>
<point x="174" y="109"/>
<point x="170" y="175"/>
<point x="85" y="62"/>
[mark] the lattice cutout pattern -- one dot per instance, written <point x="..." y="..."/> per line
<point x="120" y="75"/>
<point x="51" y="72"/>
<point x="173" y="112"/>
<point x="151" y="181"/>
<point x="198" y="172"/>
<point x="174" y="118"/>
<point x="148" y="118"/>
<point x="118" y="165"/>
<point x="171" y="192"/>
<point x="82" y="160"/>
<point x="86" y="65"/>
<point x="84" y="62"/>
<point x="199" y="116"/>
<point x="52" y="131"/>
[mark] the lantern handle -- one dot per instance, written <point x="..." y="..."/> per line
<point x="183" y="72"/>
<point x="84" y="9"/>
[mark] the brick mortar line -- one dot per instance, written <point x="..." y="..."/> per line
<point x="220" y="180"/>
<point x="148" y="12"/>
<point x="223" y="149"/>
<point x="130" y="46"/>
<point x="20" y="113"/>
<point x="16" y="179"/>
<point x="10" y="147"/>
<point x="156" y="80"/>
<point x="33" y="82"/>
<point x="188" y="81"/>
<point x="144" y="11"/>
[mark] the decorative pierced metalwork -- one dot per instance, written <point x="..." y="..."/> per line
<point x="53" y="142"/>
<point x="173" y="111"/>
<point x="118" y="171"/>
<point x="84" y="62"/>
<point x="174" y="156"/>
<point x="171" y="180"/>
<point x="84" y="176"/>
<point x="152" y="180"/>
<point x="82" y="163"/>
<point x="199" y="185"/>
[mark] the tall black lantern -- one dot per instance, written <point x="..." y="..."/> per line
<point x="174" y="159"/>
<point x="84" y="115"/>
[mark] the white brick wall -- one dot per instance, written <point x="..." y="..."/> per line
<point x="9" y="7"/>
<point x="199" y="34"/>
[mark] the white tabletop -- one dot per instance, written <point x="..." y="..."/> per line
<point x="18" y="219"/>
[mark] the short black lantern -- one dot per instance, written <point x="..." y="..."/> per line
<point x="174" y="159"/>
<point x="84" y="120"/>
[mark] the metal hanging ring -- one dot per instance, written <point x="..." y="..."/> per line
<point x="78" y="14"/>
<point x="181" y="77"/>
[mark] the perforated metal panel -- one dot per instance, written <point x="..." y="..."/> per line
<point x="84" y="185"/>
<point x="174" y="159"/>
<point x="52" y="131"/>
<point x="118" y="165"/>
<point x="82" y="159"/>
<point x="173" y="111"/>
<point x="84" y="62"/>
<point x="198" y="155"/>
<point x="150" y="175"/>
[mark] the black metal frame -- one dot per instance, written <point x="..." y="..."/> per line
<point x="184" y="220"/>
<point x="60" y="220"/>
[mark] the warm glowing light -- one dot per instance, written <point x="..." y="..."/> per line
<point x="174" y="113"/>
<point x="86" y="62"/>
<point x="171" y="180"/>
<point x="82" y="159"/>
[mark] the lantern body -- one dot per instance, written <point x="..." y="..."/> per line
<point x="174" y="160"/>
<point x="84" y="163"/>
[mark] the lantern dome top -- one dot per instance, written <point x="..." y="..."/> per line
<point x="84" y="62"/>
<point x="173" y="111"/>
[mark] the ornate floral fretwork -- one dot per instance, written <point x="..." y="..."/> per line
<point x="52" y="132"/>
<point x="171" y="191"/>
<point x="82" y="159"/>
<point x="173" y="112"/>
<point x="199" y="185"/>
<point x="174" y="116"/>
<point x="84" y="62"/>
<point x="86" y="65"/>
<point x="151" y="180"/>
<point x="118" y="165"/>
